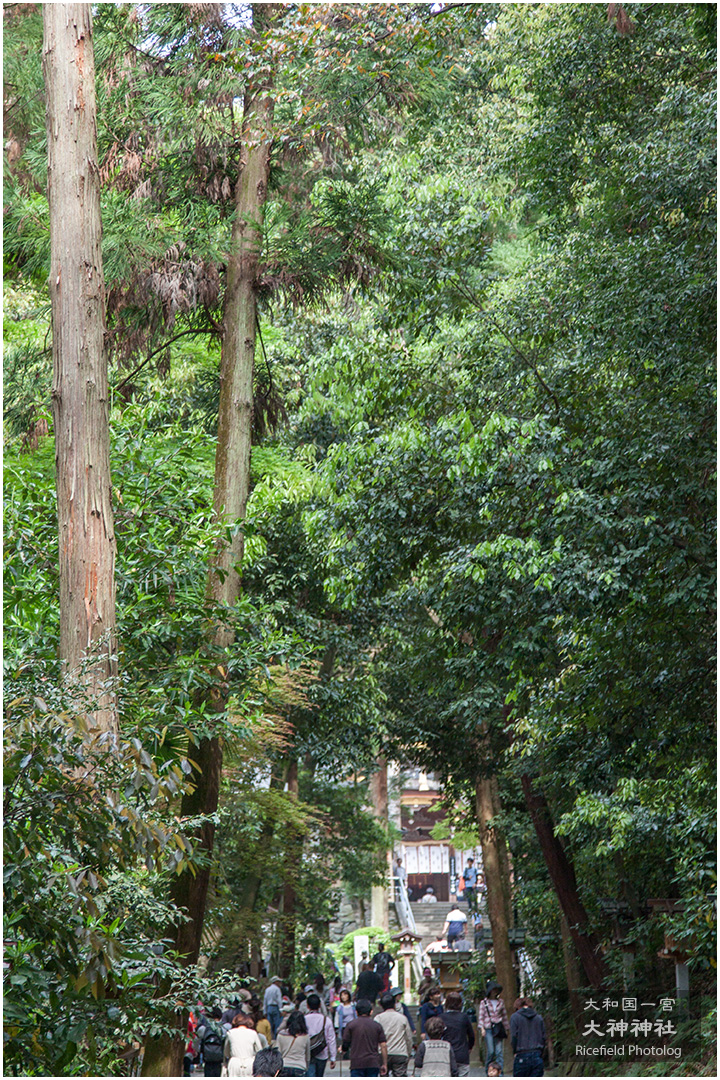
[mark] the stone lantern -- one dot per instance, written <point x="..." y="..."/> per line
<point x="407" y="940"/>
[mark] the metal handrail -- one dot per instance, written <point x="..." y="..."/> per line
<point x="407" y="919"/>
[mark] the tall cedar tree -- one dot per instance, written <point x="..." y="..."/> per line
<point x="163" y="1057"/>
<point x="80" y="383"/>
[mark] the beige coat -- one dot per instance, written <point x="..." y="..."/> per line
<point x="397" y="1032"/>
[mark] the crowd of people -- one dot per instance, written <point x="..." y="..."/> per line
<point x="366" y="1024"/>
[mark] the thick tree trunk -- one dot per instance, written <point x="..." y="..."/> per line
<point x="80" y="382"/>
<point x="498" y="890"/>
<point x="379" y="794"/>
<point x="562" y="875"/>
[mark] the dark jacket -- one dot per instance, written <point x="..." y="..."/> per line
<point x="369" y="985"/>
<point x="527" y="1030"/>
<point x="426" y="1011"/>
<point x="459" y="1033"/>
<point x="408" y="1017"/>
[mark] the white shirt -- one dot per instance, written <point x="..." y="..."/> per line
<point x="273" y="996"/>
<point x="348" y="972"/>
<point x="456" y="915"/>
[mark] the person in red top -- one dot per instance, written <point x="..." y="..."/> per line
<point x="365" y="1039"/>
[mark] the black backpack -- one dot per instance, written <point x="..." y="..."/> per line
<point x="212" y="1045"/>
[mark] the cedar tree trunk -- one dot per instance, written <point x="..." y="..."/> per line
<point x="163" y="1057"/>
<point x="80" y="382"/>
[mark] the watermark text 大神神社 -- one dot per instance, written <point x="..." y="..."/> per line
<point x="625" y="1027"/>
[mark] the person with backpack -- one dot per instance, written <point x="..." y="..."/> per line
<point x="322" y="1038"/>
<point x="293" y="1043"/>
<point x="267" y="1062"/>
<point x="211" y="1040"/>
<point x="435" y="1055"/>
<point x="383" y="964"/>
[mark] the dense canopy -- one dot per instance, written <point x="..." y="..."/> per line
<point x="477" y="532"/>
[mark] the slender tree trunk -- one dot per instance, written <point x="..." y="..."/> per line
<point x="80" y="382"/>
<point x="293" y="858"/>
<point x="498" y="891"/>
<point x="574" y="975"/>
<point x="232" y="471"/>
<point x="379" y="795"/>
<point x="232" y="487"/>
<point x="503" y="855"/>
<point x="562" y="875"/>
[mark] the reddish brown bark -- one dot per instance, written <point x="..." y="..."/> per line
<point x="562" y="875"/>
<point x="80" y="383"/>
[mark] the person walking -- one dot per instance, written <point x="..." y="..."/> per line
<point x="293" y="1042"/>
<point x="211" y="1041"/>
<point x="398" y="1036"/>
<point x="493" y="1023"/>
<point x="364" y="1039"/>
<point x="345" y="1012"/>
<point x="322" y="1037"/>
<point x="426" y="984"/>
<point x="435" y="1056"/>
<point x="383" y="964"/>
<point x="527" y="1034"/>
<point x="262" y="1024"/>
<point x="454" y="927"/>
<point x="470" y="876"/>
<point x="458" y="1032"/>
<point x="400" y="875"/>
<point x="369" y="985"/>
<point x="303" y="1004"/>
<point x="242" y="1043"/>
<point x="400" y="1006"/>
<point x="348" y="972"/>
<point x="432" y="1007"/>
<point x="234" y="1007"/>
<point x="272" y="1003"/>
<point x="478" y="936"/>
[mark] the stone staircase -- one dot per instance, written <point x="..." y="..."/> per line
<point x="430" y="919"/>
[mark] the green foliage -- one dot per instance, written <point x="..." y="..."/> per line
<point x="483" y="540"/>
<point x="376" y="936"/>
<point x="89" y="842"/>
